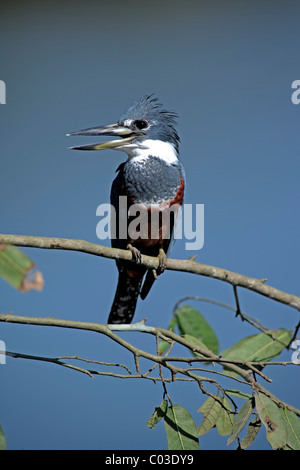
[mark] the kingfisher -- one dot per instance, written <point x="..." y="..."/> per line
<point x="152" y="180"/>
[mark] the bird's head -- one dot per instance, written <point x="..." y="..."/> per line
<point x="145" y="125"/>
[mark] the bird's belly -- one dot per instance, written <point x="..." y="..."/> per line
<point x="153" y="198"/>
<point x="152" y="227"/>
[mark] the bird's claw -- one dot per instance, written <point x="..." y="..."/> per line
<point x="162" y="262"/>
<point x="136" y="254"/>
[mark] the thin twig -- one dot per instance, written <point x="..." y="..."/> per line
<point x="237" y="302"/>
<point x="101" y="363"/>
<point x="137" y="353"/>
<point x="54" y="360"/>
<point x="249" y="319"/>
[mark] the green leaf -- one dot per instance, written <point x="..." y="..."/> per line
<point x="211" y="410"/>
<point x="272" y="417"/>
<point x="164" y="345"/>
<point x="238" y="393"/>
<point x="2" y="440"/>
<point x="261" y="347"/>
<point x="292" y="424"/>
<point x="241" y="420"/>
<point x="181" y="429"/>
<point x="197" y="342"/>
<point x="193" y="323"/>
<point x="14" y="268"/>
<point x="158" y="414"/>
<point x="253" y="428"/>
<point x="226" y="418"/>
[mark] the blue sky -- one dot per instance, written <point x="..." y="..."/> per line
<point x="227" y="69"/>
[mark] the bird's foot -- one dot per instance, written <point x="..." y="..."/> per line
<point x="136" y="254"/>
<point x="162" y="261"/>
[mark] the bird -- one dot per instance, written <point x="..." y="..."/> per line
<point x="152" y="179"/>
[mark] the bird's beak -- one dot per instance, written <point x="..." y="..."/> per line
<point x="126" y="134"/>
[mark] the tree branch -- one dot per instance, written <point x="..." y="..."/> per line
<point x="189" y="266"/>
<point x="161" y="360"/>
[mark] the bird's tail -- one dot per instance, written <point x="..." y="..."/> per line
<point x="149" y="280"/>
<point x="125" y="300"/>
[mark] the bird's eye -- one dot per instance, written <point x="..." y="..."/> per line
<point x="140" y="124"/>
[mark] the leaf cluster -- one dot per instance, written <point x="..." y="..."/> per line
<point x="219" y="410"/>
